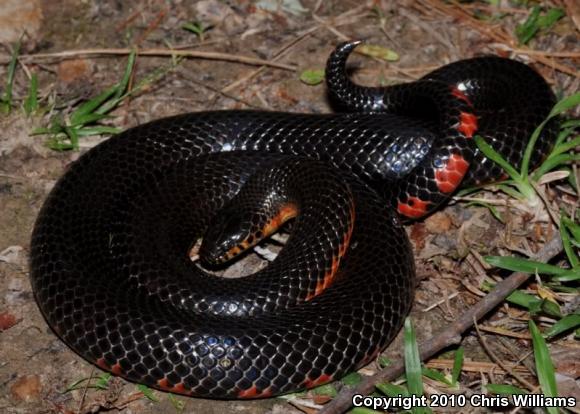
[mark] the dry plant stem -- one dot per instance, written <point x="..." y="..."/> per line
<point x="571" y="55"/>
<point x="72" y="54"/>
<point x="499" y="35"/>
<point x="498" y="360"/>
<point x="85" y="389"/>
<point x="448" y="336"/>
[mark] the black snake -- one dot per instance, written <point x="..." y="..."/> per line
<point x="109" y="257"/>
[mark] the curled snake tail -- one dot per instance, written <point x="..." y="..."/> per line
<point x="346" y="93"/>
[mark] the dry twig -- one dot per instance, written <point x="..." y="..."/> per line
<point x="73" y="54"/>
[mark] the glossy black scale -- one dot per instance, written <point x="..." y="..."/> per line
<point x="109" y="263"/>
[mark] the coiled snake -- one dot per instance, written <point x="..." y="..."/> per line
<point x="109" y="257"/>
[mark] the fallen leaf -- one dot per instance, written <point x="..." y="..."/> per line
<point x="70" y="71"/>
<point x="378" y="52"/>
<point x="312" y="76"/>
<point x="7" y="321"/>
<point x="26" y="388"/>
<point x="438" y="223"/>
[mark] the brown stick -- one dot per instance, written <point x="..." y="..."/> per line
<point x="448" y="336"/>
<point x="71" y="54"/>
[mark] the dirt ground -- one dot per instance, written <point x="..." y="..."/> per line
<point x="36" y="368"/>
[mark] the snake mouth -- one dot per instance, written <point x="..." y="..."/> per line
<point x="235" y="236"/>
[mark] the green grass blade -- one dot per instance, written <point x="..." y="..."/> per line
<point x="364" y="410"/>
<point x="571" y="123"/>
<point x="328" y="390"/>
<point x="120" y="88"/>
<point x="564" y="133"/>
<point x="147" y="392"/>
<point x="504" y="389"/>
<point x="151" y="78"/>
<point x="551" y="308"/>
<point x="562" y="106"/>
<point x="525" y="300"/>
<point x="177" y="404"/>
<point x="103" y="380"/>
<point x="57" y="144"/>
<point x="511" y="191"/>
<point x="91" y="105"/>
<point x="574" y="228"/>
<point x="566" y="243"/>
<point x="565" y="104"/>
<point x="557" y="287"/>
<point x="457" y="365"/>
<point x="565" y="324"/>
<point x="494" y="212"/>
<point x="551" y="17"/>
<point x="7" y="99"/>
<point x="97" y="130"/>
<point x="436" y="375"/>
<point x="383" y="361"/>
<point x="30" y="104"/>
<point x="87" y="119"/>
<point x="565" y="146"/>
<point x="75" y="385"/>
<point x="528" y="29"/>
<point x="73" y="136"/>
<point x="352" y="379"/>
<point x="568" y="276"/>
<point x="43" y="130"/>
<point x="554" y="162"/>
<point x="544" y="365"/>
<point x="493" y="155"/>
<point x="516" y="264"/>
<point x="413" y="364"/>
<point x="392" y="390"/>
<point x="534" y="304"/>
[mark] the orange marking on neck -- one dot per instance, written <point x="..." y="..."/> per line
<point x="286" y="213"/>
<point x="455" y="91"/>
<point x="467" y="124"/>
<point x="254" y="392"/>
<point x="311" y="383"/>
<point x="450" y="175"/>
<point x="413" y="208"/>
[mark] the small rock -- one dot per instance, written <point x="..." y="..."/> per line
<point x="438" y="223"/>
<point x="11" y="255"/>
<point x="70" y="71"/>
<point x="7" y="321"/>
<point x="26" y="388"/>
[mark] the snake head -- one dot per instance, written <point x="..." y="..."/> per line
<point x="229" y="234"/>
<point x="234" y="231"/>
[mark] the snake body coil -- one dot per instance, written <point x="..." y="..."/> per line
<point x="109" y="263"/>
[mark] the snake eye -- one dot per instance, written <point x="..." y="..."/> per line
<point x="224" y="238"/>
